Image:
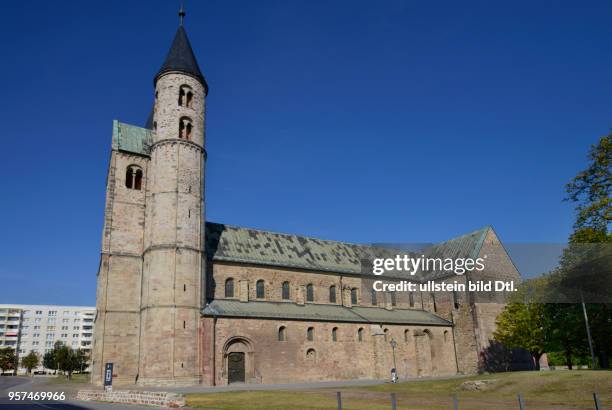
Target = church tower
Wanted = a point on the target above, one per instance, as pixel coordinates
(152, 264)
(173, 258)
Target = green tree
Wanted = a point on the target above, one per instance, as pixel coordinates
(521, 326)
(586, 263)
(8, 359)
(82, 360)
(590, 190)
(65, 359)
(30, 361)
(563, 324)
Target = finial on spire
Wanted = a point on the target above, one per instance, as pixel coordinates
(181, 14)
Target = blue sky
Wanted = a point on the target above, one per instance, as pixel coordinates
(360, 121)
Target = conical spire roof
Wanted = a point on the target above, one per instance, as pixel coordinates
(181, 58)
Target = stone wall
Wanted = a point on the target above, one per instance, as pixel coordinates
(158, 399)
(117, 323)
(298, 359)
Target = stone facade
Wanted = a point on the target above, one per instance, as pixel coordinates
(421, 351)
(163, 267)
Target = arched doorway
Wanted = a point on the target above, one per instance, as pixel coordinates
(235, 367)
(239, 361)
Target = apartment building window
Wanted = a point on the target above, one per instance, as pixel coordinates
(49, 344)
(51, 320)
(76, 328)
(75, 343)
(64, 335)
(36, 335)
(37, 320)
(77, 320)
(36, 327)
(50, 328)
(50, 336)
(66, 312)
(75, 335)
(64, 327)
(52, 313)
(65, 320)
(39, 312)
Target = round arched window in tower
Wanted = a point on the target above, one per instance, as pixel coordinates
(185, 128)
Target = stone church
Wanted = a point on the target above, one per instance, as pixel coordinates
(182, 300)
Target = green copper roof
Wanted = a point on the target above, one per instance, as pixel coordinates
(320, 312)
(130, 138)
(230, 243)
(466, 246)
(235, 244)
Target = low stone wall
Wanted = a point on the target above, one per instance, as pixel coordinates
(148, 398)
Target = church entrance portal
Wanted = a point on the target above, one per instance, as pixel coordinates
(235, 367)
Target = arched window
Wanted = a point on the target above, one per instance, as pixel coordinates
(185, 96)
(260, 289)
(310, 334)
(360, 334)
(393, 300)
(133, 177)
(185, 128)
(311, 356)
(286, 293)
(445, 336)
(411, 299)
(406, 335)
(374, 298)
(129, 177)
(455, 299)
(433, 300)
(309, 293)
(229, 288)
(332, 294)
(354, 296)
(189, 99)
(386, 332)
(181, 99)
(335, 334)
(138, 179)
(282, 334)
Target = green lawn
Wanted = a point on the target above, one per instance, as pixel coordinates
(76, 378)
(540, 390)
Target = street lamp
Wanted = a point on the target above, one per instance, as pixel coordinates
(393, 344)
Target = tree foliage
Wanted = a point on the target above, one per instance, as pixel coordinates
(64, 358)
(546, 315)
(590, 190)
(521, 326)
(7, 359)
(30, 361)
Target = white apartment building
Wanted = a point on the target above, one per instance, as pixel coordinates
(37, 327)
